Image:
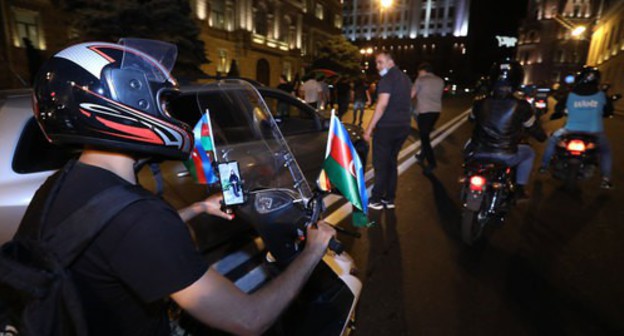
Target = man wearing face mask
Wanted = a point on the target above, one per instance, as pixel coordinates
(391, 125)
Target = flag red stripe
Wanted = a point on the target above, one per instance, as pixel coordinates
(341, 153)
(199, 169)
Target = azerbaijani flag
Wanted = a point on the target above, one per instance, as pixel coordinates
(343, 169)
(202, 157)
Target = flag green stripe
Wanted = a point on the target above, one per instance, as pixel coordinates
(343, 181)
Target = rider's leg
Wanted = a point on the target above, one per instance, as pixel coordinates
(524, 160)
(606, 158)
(550, 147)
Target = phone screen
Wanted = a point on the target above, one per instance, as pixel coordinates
(231, 183)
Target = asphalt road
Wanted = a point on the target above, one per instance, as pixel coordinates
(554, 267)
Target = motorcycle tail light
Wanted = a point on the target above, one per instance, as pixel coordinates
(477, 183)
(576, 147)
(590, 145)
(540, 104)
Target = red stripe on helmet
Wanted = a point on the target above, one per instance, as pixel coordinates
(137, 133)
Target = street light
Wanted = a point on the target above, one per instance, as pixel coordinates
(578, 31)
(385, 4)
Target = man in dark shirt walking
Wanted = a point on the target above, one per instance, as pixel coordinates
(391, 124)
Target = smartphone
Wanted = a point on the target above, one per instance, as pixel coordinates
(231, 183)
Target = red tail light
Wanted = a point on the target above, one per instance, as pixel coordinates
(576, 147)
(477, 183)
(540, 104)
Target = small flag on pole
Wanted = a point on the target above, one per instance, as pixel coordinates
(343, 170)
(203, 155)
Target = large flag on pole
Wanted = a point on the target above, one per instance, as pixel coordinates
(343, 169)
(200, 163)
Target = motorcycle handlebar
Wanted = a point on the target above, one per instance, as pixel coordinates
(317, 208)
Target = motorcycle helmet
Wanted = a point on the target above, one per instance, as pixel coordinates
(588, 75)
(112, 97)
(505, 77)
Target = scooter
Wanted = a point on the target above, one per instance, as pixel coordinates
(278, 205)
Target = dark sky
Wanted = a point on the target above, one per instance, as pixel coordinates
(489, 18)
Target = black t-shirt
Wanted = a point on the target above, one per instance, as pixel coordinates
(288, 87)
(399, 86)
(359, 93)
(143, 255)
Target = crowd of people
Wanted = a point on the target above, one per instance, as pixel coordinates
(500, 115)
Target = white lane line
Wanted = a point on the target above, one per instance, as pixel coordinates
(329, 200)
(342, 212)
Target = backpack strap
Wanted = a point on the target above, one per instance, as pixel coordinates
(72, 236)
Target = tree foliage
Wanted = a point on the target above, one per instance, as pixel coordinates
(340, 55)
(166, 20)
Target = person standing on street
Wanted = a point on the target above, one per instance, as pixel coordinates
(311, 91)
(361, 98)
(391, 124)
(343, 95)
(427, 90)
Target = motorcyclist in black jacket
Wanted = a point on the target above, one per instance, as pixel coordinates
(501, 121)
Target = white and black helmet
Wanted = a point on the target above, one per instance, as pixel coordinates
(112, 96)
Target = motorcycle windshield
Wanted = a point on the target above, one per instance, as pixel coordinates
(244, 130)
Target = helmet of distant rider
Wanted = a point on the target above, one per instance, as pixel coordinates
(588, 75)
(506, 76)
(113, 96)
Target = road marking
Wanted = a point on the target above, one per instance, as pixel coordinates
(447, 129)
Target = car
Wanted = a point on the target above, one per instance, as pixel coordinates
(30, 158)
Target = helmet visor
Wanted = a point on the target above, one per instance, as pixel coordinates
(158, 63)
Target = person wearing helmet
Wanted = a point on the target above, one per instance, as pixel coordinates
(501, 119)
(585, 106)
(112, 100)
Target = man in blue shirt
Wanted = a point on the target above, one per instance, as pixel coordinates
(586, 106)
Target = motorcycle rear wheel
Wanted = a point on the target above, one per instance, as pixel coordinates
(471, 227)
(571, 176)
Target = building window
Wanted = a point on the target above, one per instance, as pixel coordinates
(261, 25)
(222, 61)
(287, 70)
(533, 37)
(200, 9)
(27, 26)
(338, 21)
(560, 56)
(217, 14)
(319, 11)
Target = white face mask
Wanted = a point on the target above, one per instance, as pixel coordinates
(383, 72)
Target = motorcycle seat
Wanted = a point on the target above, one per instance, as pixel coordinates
(486, 163)
(586, 137)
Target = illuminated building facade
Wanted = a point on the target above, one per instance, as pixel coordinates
(414, 31)
(266, 38)
(606, 50)
(551, 40)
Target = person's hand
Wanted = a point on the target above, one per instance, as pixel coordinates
(318, 238)
(212, 206)
(367, 135)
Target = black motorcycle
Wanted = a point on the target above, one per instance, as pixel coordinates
(576, 154)
(487, 195)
